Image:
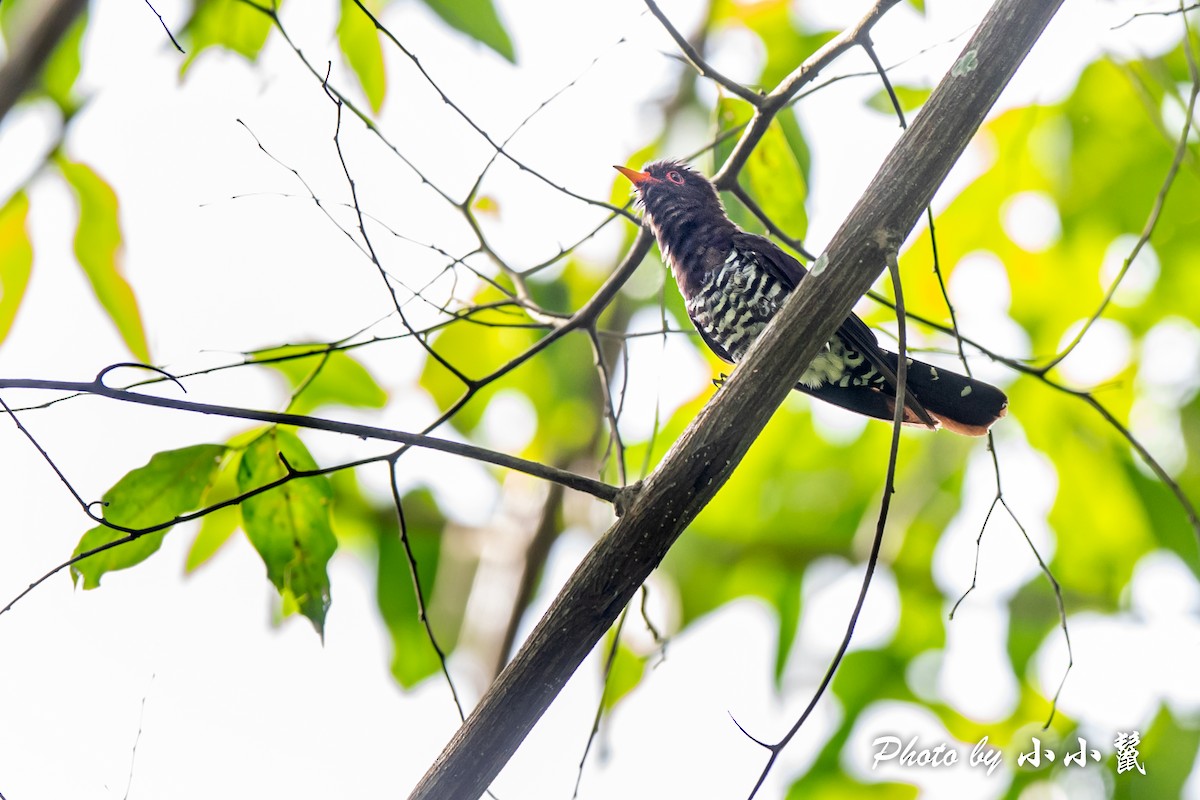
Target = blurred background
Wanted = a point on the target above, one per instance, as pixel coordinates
(216, 213)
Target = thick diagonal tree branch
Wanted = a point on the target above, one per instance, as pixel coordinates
(708, 451)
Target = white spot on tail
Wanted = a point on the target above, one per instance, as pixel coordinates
(966, 391)
(934, 373)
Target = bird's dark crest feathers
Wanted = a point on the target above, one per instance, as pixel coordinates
(698, 241)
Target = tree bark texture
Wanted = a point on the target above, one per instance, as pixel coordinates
(655, 513)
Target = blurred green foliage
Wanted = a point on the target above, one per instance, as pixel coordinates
(1096, 161)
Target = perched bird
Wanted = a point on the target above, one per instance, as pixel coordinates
(733, 282)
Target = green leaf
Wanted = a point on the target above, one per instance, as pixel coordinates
(836, 785)
(358, 39)
(559, 383)
(62, 68)
(910, 97)
(413, 656)
(98, 249)
(774, 174)
(289, 525)
(626, 673)
(325, 377)
(231, 24)
(16, 258)
(170, 484)
(477, 19)
(787, 605)
(218, 527)
(1167, 752)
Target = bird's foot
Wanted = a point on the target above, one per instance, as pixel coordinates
(719, 381)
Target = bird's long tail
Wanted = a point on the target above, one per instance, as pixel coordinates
(960, 404)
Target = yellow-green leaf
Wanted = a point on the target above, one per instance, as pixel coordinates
(477, 19)
(231, 24)
(326, 377)
(774, 174)
(219, 526)
(413, 656)
(910, 97)
(359, 41)
(16, 258)
(626, 673)
(289, 525)
(98, 250)
(62, 68)
(170, 484)
(486, 204)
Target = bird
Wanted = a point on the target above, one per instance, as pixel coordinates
(733, 282)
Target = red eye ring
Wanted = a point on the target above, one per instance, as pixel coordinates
(674, 177)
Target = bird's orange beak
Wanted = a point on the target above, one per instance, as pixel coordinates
(636, 177)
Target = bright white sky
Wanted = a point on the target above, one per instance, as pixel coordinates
(227, 253)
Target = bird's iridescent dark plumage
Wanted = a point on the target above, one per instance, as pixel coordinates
(733, 282)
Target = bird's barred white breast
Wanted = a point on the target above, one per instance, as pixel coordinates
(737, 301)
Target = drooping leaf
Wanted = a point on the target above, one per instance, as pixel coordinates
(477, 19)
(325, 378)
(558, 383)
(358, 40)
(62, 68)
(216, 529)
(289, 525)
(626, 673)
(787, 606)
(1167, 751)
(911, 98)
(219, 526)
(98, 250)
(16, 258)
(413, 656)
(231, 24)
(774, 175)
(170, 484)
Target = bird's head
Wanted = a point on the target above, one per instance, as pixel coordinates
(671, 186)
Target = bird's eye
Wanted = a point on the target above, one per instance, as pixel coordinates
(675, 177)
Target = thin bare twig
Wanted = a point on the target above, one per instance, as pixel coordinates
(487, 137)
(779, 97)
(1180, 10)
(779, 233)
(999, 498)
(699, 64)
(889, 489)
(1160, 200)
(590, 486)
(418, 592)
(162, 22)
(608, 665)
